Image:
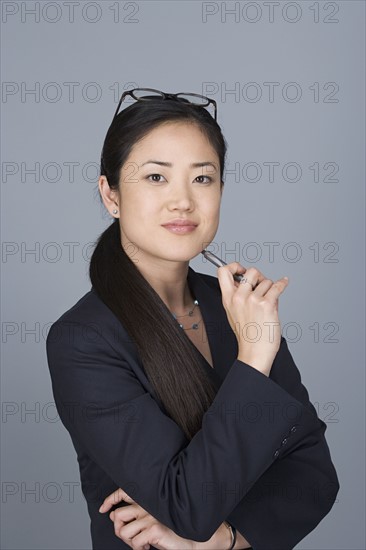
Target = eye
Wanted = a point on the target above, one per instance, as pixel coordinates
(155, 176)
(208, 179)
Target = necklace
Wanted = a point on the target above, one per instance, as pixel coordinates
(190, 313)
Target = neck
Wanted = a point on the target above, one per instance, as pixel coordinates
(169, 280)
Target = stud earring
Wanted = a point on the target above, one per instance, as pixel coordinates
(115, 211)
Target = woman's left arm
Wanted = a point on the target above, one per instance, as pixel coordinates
(299, 489)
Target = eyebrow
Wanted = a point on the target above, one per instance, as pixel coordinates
(193, 165)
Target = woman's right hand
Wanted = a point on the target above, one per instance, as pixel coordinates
(253, 314)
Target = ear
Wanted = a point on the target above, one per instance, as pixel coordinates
(109, 196)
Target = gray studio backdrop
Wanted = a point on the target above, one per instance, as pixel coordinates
(289, 81)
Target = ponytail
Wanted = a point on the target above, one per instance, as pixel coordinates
(171, 362)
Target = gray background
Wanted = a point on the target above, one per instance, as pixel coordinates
(51, 217)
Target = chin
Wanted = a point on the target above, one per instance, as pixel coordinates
(180, 254)
(181, 257)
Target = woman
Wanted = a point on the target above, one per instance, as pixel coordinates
(191, 431)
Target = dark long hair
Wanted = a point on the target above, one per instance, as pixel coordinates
(171, 362)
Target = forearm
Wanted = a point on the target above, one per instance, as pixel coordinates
(221, 540)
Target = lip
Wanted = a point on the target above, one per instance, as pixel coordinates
(180, 223)
(180, 227)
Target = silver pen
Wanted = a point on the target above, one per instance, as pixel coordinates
(218, 262)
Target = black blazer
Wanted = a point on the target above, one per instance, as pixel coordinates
(260, 460)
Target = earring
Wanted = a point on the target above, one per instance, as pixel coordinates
(115, 211)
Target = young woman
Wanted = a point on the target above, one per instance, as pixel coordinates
(190, 429)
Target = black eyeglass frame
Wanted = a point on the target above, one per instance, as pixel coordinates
(165, 95)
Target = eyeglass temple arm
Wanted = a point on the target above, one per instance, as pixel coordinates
(128, 92)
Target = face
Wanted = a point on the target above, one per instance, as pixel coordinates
(173, 173)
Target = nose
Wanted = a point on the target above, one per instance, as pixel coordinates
(181, 197)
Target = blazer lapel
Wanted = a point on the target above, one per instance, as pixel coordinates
(221, 338)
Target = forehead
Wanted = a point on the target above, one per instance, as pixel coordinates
(171, 137)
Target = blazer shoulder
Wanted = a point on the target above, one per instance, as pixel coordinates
(87, 308)
(92, 315)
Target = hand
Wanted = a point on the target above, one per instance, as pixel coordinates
(253, 314)
(137, 528)
(145, 530)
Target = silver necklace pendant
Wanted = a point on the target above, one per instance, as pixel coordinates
(190, 313)
(192, 310)
(194, 326)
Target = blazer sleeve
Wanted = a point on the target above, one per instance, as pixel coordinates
(298, 490)
(105, 407)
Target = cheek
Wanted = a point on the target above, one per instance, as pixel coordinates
(211, 209)
(136, 204)
(138, 213)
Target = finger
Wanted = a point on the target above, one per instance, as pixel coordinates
(141, 541)
(235, 268)
(114, 498)
(127, 513)
(246, 286)
(276, 289)
(110, 500)
(263, 287)
(150, 533)
(251, 281)
(131, 530)
(254, 276)
(225, 275)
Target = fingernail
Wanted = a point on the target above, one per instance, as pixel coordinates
(286, 278)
